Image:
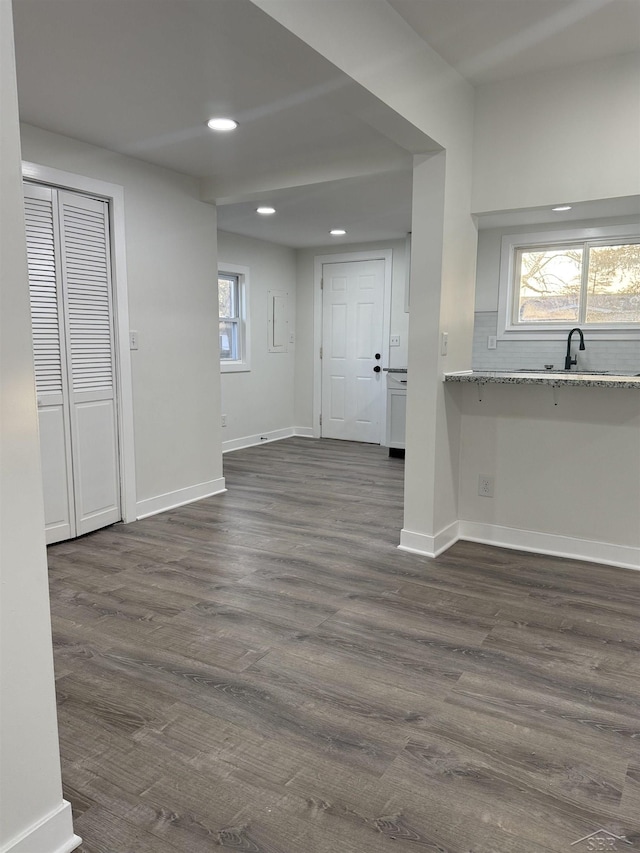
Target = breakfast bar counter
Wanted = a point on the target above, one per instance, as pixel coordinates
(552, 378)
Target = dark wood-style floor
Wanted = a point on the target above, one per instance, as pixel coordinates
(264, 671)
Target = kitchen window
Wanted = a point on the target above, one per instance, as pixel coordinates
(589, 279)
(233, 298)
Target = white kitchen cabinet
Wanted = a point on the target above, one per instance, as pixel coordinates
(396, 411)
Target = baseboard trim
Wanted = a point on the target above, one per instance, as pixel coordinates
(265, 438)
(429, 546)
(591, 551)
(303, 432)
(53, 834)
(555, 545)
(171, 500)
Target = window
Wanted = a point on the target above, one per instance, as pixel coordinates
(233, 320)
(229, 311)
(583, 283)
(591, 280)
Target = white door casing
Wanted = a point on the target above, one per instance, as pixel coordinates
(49, 177)
(353, 387)
(72, 316)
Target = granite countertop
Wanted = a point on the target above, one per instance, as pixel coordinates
(546, 377)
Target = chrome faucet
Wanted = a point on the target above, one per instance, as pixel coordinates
(568, 360)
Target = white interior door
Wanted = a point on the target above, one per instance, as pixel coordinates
(72, 317)
(49, 350)
(352, 338)
(86, 275)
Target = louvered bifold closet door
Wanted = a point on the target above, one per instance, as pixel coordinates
(86, 273)
(49, 357)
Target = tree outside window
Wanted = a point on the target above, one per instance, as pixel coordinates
(584, 283)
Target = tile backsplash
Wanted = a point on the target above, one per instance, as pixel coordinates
(612, 356)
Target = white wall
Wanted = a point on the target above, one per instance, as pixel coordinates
(305, 355)
(563, 135)
(567, 476)
(172, 264)
(33, 814)
(261, 401)
(442, 274)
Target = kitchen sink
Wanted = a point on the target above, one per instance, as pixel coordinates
(565, 372)
(578, 372)
(543, 371)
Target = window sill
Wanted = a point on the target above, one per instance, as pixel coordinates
(234, 367)
(593, 333)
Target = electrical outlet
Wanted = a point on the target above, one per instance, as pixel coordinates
(485, 486)
(492, 342)
(224, 420)
(444, 343)
(394, 341)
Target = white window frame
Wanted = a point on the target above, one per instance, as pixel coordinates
(508, 330)
(243, 363)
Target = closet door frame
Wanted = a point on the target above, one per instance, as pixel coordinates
(114, 195)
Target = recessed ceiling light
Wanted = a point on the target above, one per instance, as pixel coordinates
(222, 124)
(265, 211)
(337, 232)
(561, 208)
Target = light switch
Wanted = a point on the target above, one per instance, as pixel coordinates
(133, 340)
(444, 343)
(492, 342)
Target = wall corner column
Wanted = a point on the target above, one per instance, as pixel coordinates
(34, 815)
(442, 286)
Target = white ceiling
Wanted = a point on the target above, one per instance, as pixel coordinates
(369, 209)
(489, 40)
(141, 77)
(602, 208)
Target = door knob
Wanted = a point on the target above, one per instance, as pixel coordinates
(377, 368)
(377, 355)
